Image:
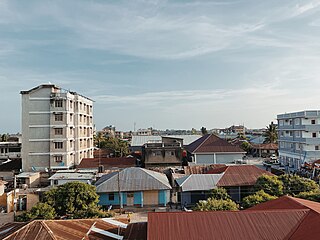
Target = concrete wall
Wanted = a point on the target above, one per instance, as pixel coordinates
(219, 158)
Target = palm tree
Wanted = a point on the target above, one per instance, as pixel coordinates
(271, 134)
(204, 131)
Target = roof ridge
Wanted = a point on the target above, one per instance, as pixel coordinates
(189, 176)
(209, 135)
(159, 180)
(292, 232)
(48, 229)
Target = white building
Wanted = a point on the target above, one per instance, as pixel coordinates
(57, 128)
(299, 138)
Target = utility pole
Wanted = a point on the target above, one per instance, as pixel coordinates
(14, 197)
(120, 197)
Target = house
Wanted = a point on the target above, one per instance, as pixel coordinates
(134, 187)
(57, 128)
(195, 187)
(300, 222)
(298, 138)
(29, 179)
(238, 179)
(10, 150)
(104, 163)
(210, 149)
(264, 149)
(98, 229)
(65, 176)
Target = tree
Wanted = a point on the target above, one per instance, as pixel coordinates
(269, 184)
(73, 198)
(38, 211)
(294, 184)
(258, 197)
(203, 131)
(246, 146)
(220, 193)
(271, 134)
(312, 196)
(4, 137)
(119, 147)
(212, 204)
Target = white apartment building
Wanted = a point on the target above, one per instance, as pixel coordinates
(299, 138)
(57, 128)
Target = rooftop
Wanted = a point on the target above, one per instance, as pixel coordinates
(121, 162)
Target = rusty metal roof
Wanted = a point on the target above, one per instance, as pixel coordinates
(67, 229)
(239, 175)
(121, 162)
(248, 225)
(211, 143)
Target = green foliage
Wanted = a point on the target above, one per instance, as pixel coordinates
(270, 184)
(212, 204)
(271, 133)
(119, 147)
(258, 197)
(312, 196)
(72, 198)
(245, 146)
(4, 137)
(38, 211)
(220, 193)
(294, 184)
(203, 131)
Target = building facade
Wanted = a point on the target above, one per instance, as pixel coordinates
(299, 138)
(57, 128)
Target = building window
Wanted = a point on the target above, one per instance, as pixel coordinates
(170, 153)
(314, 135)
(71, 117)
(58, 117)
(297, 121)
(316, 147)
(70, 143)
(58, 145)
(111, 196)
(313, 121)
(58, 131)
(55, 182)
(58, 103)
(58, 158)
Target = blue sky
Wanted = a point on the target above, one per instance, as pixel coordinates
(165, 64)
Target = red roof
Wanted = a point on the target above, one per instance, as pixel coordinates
(210, 143)
(287, 202)
(249, 225)
(238, 175)
(123, 162)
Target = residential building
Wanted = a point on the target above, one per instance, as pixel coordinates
(280, 222)
(10, 150)
(57, 128)
(210, 149)
(133, 187)
(298, 138)
(65, 176)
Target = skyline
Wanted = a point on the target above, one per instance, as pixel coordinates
(164, 64)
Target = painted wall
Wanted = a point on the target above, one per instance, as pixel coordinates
(220, 158)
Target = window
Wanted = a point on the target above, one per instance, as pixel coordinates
(71, 104)
(71, 117)
(170, 153)
(316, 147)
(58, 117)
(297, 121)
(58, 103)
(58, 158)
(55, 182)
(111, 196)
(313, 121)
(314, 135)
(58, 131)
(58, 145)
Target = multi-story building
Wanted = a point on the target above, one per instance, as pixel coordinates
(57, 128)
(299, 138)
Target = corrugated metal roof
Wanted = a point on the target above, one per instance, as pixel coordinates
(72, 176)
(133, 179)
(248, 225)
(240, 175)
(138, 141)
(198, 182)
(211, 143)
(287, 202)
(65, 229)
(107, 162)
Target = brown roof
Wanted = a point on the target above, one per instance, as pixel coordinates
(287, 202)
(265, 146)
(108, 162)
(238, 175)
(63, 229)
(210, 143)
(249, 225)
(199, 169)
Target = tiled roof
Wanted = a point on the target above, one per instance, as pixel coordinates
(68, 229)
(121, 162)
(133, 179)
(211, 143)
(249, 225)
(238, 175)
(198, 182)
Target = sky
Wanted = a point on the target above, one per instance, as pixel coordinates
(164, 64)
